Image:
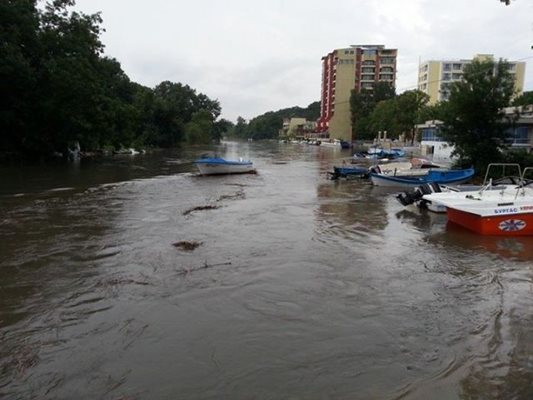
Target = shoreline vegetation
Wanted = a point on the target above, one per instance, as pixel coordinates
(60, 94)
(62, 97)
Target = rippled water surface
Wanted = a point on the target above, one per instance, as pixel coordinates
(301, 287)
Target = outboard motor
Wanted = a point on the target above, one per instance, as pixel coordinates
(408, 198)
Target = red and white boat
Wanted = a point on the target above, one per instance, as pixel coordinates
(505, 210)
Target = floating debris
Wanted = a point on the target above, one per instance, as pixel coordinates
(21, 361)
(121, 281)
(187, 245)
(185, 271)
(200, 208)
(238, 195)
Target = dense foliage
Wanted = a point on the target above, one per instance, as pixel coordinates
(268, 125)
(58, 89)
(363, 103)
(473, 117)
(524, 99)
(382, 110)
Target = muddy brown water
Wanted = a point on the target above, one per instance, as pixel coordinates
(297, 287)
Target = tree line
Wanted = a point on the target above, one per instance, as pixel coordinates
(59, 90)
(268, 125)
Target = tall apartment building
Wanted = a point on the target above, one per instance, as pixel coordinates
(343, 70)
(436, 77)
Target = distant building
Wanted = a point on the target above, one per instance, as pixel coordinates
(431, 143)
(343, 70)
(520, 135)
(436, 77)
(297, 127)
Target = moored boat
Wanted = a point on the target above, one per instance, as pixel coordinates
(337, 143)
(219, 166)
(349, 171)
(505, 210)
(447, 177)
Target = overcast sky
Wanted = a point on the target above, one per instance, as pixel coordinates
(256, 56)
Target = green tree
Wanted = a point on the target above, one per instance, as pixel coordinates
(383, 91)
(409, 105)
(199, 129)
(69, 87)
(58, 89)
(524, 99)
(19, 49)
(221, 127)
(383, 118)
(435, 111)
(241, 128)
(265, 126)
(474, 120)
(175, 106)
(363, 103)
(397, 115)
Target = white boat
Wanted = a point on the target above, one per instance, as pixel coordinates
(505, 210)
(415, 196)
(219, 166)
(440, 176)
(400, 168)
(337, 143)
(413, 167)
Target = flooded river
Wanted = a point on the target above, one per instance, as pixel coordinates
(300, 288)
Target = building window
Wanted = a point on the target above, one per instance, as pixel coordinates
(457, 67)
(369, 52)
(369, 62)
(518, 135)
(457, 76)
(369, 69)
(387, 60)
(431, 135)
(447, 67)
(446, 77)
(367, 77)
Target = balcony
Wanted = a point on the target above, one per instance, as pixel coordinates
(370, 78)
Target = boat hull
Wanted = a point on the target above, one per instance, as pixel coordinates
(223, 167)
(496, 225)
(454, 177)
(350, 171)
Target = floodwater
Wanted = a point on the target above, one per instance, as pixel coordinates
(300, 288)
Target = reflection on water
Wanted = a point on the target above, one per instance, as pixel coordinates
(301, 287)
(440, 232)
